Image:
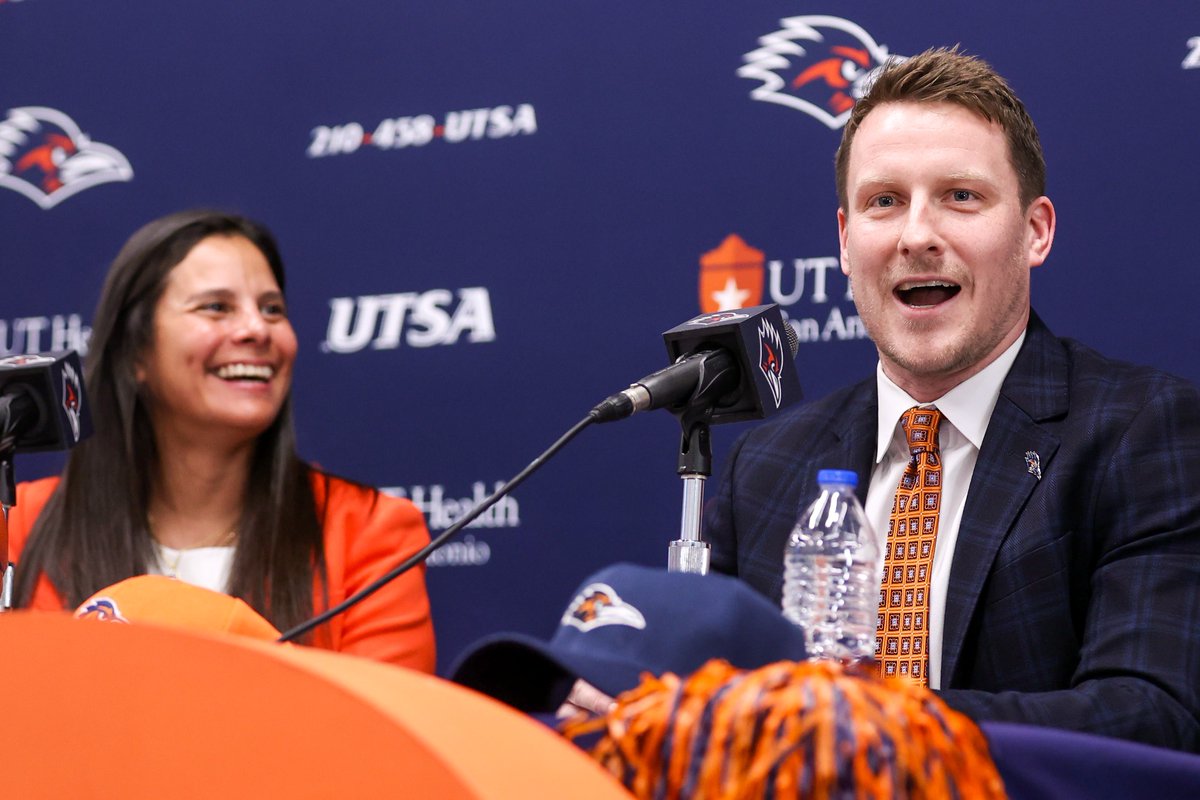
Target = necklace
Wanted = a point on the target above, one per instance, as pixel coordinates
(171, 567)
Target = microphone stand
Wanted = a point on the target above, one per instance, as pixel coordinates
(8, 494)
(689, 553)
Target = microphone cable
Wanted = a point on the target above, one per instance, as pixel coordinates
(423, 553)
(699, 378)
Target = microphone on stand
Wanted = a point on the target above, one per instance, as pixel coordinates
(41, 403)
(731, 362)
(41, 408)
(728, 366)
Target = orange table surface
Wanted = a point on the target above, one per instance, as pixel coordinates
(95, 709)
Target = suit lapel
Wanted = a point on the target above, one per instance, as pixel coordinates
(856, 438)
(1035, 391)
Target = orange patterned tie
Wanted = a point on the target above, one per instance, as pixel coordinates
(902, 632)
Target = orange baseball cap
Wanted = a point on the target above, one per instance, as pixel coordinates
(158, 600)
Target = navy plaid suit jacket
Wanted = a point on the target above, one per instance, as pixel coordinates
(1074, 600)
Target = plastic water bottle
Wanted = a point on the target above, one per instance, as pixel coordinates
(832, 568)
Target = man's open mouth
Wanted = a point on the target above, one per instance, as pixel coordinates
(926, 294)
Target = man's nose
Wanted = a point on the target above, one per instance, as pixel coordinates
(920, 235)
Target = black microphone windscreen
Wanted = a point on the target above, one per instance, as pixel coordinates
(58, 417)
(756, 337)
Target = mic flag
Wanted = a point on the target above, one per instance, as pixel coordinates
(41, 402)
(763, 346)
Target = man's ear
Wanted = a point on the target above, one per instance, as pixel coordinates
(845, 259)
(1040, 219)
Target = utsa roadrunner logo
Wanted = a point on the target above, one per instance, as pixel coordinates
(770, 362)
(1033, 464)
(72, 395)
(101, 608)
(816, 64)
(46, 157)
(599, 604)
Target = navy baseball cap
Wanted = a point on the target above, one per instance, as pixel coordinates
(625, 620)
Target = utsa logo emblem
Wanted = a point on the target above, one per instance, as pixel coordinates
(598, 604)
(715, 319)
(824, 76)
(103, 609)
(46, 157)
(770, 360)
(25, 360)
(1033, 463)
(72, 394)
(731, 276)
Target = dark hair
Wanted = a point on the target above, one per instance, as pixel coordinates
(93, 531)
(942, 75)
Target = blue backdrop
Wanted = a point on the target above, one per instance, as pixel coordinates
(490, 212)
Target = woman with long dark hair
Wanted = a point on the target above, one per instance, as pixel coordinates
(192, 470)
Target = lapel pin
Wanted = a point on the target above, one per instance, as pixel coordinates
(1033, 463)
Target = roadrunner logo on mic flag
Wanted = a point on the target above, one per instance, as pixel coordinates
(770, 359)
(731, 276)
(72, 394)
(46, 157)
(822, 77)
(598, 604)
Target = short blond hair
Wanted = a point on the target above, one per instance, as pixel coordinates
(945, 75)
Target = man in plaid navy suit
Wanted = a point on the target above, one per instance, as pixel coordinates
(1066, 573)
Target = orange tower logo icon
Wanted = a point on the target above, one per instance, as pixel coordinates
(731, 276)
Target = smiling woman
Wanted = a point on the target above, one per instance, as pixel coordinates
(192, 471)
(223, 354)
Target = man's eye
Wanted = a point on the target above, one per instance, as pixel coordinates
(885, 201)
(963, 195)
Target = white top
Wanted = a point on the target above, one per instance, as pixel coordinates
(207, 567)
(966, 410)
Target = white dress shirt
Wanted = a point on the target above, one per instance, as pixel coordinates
(966, 410)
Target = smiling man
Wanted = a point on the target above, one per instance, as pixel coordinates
(1046, 567)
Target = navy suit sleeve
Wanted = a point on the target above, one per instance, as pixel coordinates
(1136, 598)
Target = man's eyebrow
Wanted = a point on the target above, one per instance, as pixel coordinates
(872, 183)
(969, 175)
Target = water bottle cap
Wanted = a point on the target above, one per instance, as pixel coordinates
(846, 476)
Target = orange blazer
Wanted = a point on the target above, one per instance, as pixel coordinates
(366, 534)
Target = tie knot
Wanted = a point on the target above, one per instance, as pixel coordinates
(921, 428)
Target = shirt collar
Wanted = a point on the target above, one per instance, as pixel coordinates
(967, 406)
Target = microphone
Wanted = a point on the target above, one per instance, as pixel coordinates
(41, 408)
(41, 403)
(731, 357)
(732, 361)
